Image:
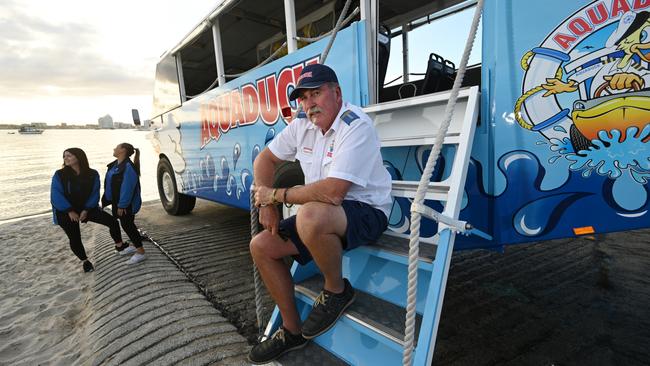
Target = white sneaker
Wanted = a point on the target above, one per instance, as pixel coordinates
(128, 250)
(136, 258)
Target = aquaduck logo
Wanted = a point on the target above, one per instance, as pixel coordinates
(245, 105)
(586, 89)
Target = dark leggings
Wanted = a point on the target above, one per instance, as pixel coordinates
(73, 232)
(128, 225)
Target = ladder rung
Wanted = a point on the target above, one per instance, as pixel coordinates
(436, 191)
(419, 140)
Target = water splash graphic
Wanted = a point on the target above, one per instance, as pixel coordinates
(270, 135)
(208, 169)
(236, 153)
(610, 156)
(537, 217)
(255, 152)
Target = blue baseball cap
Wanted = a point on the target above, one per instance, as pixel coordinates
(312, 77)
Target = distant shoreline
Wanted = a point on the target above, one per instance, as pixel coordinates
(68, 127)
(48, 213)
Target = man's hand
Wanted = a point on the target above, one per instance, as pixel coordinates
(84, 216)
(263, 196)
(74, 217)
(121, 212)
(269, 218)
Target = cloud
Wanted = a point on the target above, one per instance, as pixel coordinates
(39, 57)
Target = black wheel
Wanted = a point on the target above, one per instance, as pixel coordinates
(288, 174)
(578, 140)
(175, 203)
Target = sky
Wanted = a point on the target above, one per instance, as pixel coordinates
(74, 61)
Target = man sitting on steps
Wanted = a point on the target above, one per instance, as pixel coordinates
(345, 203)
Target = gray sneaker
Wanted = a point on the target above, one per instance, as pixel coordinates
(136, 258)
(327, 309)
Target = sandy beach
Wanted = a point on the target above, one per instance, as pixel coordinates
(55, 314)
(44, 294)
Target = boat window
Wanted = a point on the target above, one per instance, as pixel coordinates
(243, 27)
(435, 43)
(166, 94)
(199, 64)
(253, 30)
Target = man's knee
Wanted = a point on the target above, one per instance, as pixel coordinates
(262, 246)
(316, 218)
(257, 245)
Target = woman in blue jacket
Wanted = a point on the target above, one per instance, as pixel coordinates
(122, 192)
(75, 198)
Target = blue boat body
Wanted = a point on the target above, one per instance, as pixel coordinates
(527, 180)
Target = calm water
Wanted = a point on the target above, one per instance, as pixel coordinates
(29, 161)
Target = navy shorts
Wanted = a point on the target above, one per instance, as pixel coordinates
(365, 226)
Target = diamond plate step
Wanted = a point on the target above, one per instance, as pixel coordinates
(312, 355)
(379, 315)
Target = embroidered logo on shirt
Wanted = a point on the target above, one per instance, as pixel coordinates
(306, 150)
(349, 117)
(330, 150)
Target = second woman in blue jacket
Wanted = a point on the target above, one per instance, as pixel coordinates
(122, 192)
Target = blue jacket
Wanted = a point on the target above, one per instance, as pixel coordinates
(70, 192)
(122, 186)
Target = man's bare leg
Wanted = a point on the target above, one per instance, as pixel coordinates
(321, 227)
(267, 251)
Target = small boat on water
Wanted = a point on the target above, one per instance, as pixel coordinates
(28, 130)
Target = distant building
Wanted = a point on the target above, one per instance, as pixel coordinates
(105, 122)
(122, 125)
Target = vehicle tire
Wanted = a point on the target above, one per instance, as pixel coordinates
(173, 202)
(288, 174)
(578, 140)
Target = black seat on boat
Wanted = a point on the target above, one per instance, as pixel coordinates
(439, 75)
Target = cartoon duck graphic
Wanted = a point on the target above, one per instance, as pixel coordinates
(613, 82)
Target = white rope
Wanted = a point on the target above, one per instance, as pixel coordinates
(254, 210)
(414, 247)
(337, 27)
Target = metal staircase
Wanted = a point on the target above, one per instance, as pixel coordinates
(371, 332)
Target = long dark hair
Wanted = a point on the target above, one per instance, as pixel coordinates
(129, 151)
(84, 167)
